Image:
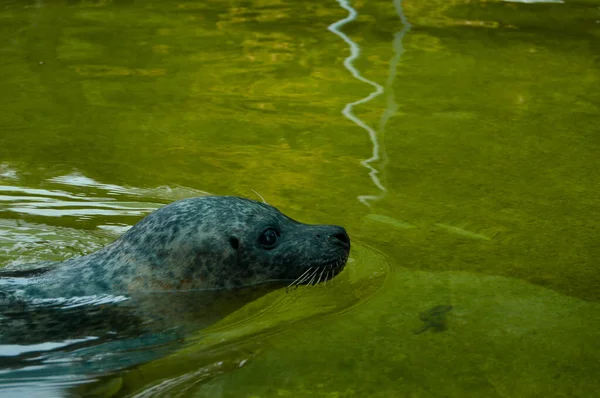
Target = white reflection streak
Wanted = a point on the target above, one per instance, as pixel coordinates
(347, 111)
(392, 106)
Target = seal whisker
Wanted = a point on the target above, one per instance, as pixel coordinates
(314, 274)
(313, 280)
(320, 276)
(260, 196)
(307, 278)
(299, 279)
(303, 279)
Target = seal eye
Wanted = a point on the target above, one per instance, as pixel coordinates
(268, 239)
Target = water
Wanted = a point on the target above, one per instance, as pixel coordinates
(456, 141)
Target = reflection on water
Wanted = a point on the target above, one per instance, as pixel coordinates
(390, 90)
(76, 339)
(378, 152)
(348, 109)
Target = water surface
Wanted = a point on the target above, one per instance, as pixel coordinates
(457, 141)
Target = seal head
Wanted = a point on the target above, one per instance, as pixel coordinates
(204, 243)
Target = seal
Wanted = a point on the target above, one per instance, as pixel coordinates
(203, 243)
(198, 249)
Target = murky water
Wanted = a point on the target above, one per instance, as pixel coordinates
(456, 141)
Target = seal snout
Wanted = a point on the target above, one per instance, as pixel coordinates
(339, 237)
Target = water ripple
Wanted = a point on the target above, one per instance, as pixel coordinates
(70, 214)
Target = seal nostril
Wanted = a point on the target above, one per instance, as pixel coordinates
(235, 242)
(341, 239)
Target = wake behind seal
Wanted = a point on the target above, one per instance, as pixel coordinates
(209, 244)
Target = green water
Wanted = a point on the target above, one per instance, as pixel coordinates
(465, 169)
